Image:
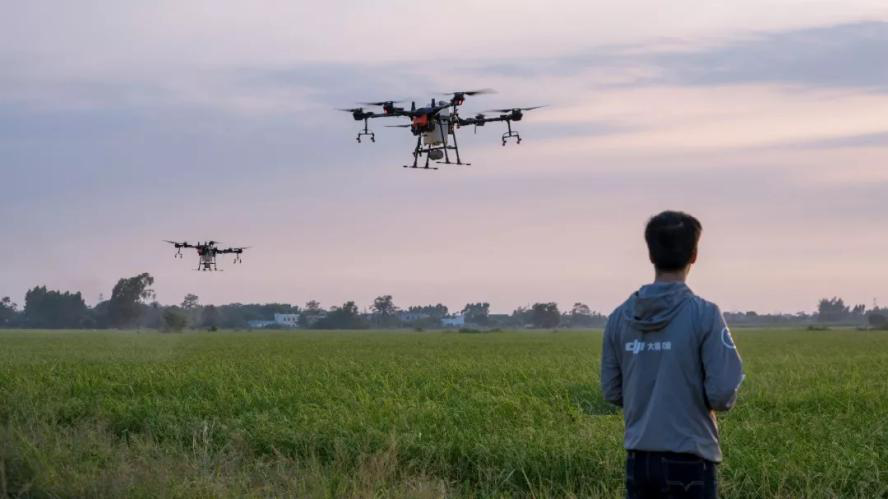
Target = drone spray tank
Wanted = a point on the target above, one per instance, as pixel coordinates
(437, 133)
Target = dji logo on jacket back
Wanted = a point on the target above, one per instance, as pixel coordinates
(637, 347)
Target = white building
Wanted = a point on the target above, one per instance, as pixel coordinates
(458, 320)
(287, 320)
(259, 324)
(408, 316)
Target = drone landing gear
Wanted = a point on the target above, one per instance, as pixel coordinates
(436, 153)
(366, 133)
(419, 151)
(510, 134)
(207, 267)
(455, 148)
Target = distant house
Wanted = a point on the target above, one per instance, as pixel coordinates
(287, 320)
(259, 324)
(407, 316)
(458, 320)
(280, 321)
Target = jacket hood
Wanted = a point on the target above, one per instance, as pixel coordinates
(653, 307)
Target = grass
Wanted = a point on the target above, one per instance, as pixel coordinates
(409, 414)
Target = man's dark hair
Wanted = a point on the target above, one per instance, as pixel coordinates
(672, 239)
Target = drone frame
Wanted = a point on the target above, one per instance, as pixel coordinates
(452, 121)
(207, 253)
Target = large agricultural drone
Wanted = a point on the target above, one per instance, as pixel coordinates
(206, 253)
(435, 125)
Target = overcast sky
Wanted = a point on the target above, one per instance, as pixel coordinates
(126, 123)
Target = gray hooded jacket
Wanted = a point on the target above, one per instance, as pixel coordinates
(669, 360)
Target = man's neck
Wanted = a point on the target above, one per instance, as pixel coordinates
(672, 276)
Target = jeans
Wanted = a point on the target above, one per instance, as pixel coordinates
(669, 475)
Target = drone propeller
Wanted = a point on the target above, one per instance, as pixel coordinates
(470, 93)
(381, 103)
(398, 126)
(513, 109)
(352, 110)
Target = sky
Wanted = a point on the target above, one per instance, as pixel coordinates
(126, 123)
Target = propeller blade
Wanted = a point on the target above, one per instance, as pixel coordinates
(482, 91)
(509, 110)
(398, 126)
(381, 103)
(353, 110)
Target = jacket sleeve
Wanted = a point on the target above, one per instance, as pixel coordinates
(722, 367)
(611, 374)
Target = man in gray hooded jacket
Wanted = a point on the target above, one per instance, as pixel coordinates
(668, 359)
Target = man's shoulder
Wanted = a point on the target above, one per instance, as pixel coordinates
(705, 309)
(619, 311)
(703, 302)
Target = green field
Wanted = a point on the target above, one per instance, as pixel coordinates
(414, 414)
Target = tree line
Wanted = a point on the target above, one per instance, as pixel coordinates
(133, 304)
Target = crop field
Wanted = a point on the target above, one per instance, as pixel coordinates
(409, 414)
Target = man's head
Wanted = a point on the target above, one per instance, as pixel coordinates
(672, 238)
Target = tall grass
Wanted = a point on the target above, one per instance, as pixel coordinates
(410, 414)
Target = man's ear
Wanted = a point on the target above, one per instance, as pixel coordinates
(693, 256)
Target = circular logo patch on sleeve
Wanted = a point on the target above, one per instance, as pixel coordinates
(727, 340)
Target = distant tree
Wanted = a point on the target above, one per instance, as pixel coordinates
(832, 310)
(580, 315)
(384, 311)
(877, 320)
(8, 312)
(174, 319)
(192, 309)
(210, 317)
(545, 315)
(520, 317)
(54, 309)
(191, 301)
(477, 313)
(858, 310)
(311, 313)
(384, 306)
(128, 299)
(152, 316)
(434, 311)
(345, 317)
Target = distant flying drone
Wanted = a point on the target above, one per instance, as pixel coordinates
(435, 125)
(206, 253)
